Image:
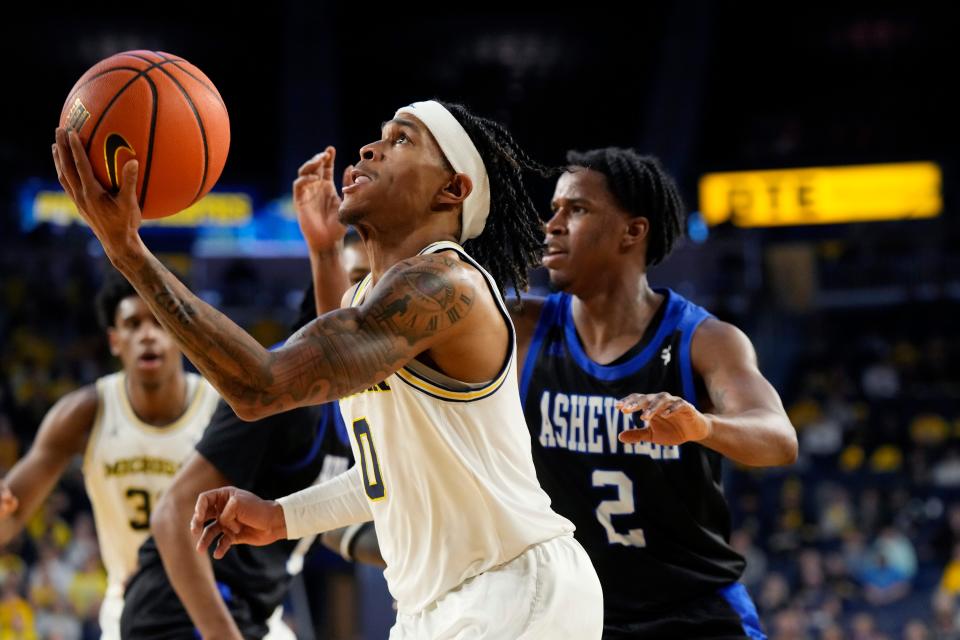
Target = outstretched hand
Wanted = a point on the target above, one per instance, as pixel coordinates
(317, 202)
(232, 516)
(668, 420)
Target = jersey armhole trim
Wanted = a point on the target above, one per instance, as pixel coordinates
(435, 390)
(546, 320)
(688, 327)
(96, 429)
(360, 289)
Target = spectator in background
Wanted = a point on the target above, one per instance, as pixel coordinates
(839, 577)
(946, 625)
(916, 630)
(50, 577)
(883, 584)
(832, 632)
(789, 624)
(812, 591)
(864, 627)
(950, 582)
(742, 542)
(87, 589)
(774, 595)
(16, 615)
(827, 615)
(791, 520)
(59, 621)
(871, 511)
(948, 536)
(946, 473)
(836, 512)
(83, 544)
(898, 551)
(880, 381)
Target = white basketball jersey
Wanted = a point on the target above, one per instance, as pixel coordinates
(448, 471)
(129, 463)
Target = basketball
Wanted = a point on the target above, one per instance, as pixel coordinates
(163, 111)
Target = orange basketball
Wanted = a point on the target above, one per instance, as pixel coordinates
(163, 111)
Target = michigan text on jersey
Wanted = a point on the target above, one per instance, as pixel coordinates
(141, 464)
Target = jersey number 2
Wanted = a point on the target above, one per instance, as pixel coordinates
(623, 505)
(369, 463)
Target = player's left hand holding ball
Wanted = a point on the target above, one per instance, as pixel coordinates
(668, 420)
(114, 219)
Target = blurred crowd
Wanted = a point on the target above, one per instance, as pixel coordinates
(861, 539)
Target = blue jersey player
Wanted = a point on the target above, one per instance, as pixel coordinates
(633, 396)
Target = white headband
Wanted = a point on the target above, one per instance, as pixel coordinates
(463, 156)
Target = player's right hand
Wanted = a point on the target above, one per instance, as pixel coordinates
(8, 501)
(317, 202)
(232, 516)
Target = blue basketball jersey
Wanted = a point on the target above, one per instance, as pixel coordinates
(653, 518)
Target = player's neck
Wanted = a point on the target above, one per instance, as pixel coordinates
(158, 403)
(615, 312)
(385, 250)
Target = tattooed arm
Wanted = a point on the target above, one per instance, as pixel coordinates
(418, 304)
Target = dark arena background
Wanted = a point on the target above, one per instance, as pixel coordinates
(815, 148)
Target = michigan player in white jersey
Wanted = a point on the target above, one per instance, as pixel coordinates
(134, 429)
(426, 363)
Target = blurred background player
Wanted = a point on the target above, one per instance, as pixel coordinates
(633, 396)
(240, 595)
(134, 428)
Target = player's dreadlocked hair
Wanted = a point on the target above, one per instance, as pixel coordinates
(643, 188)
(512, 239)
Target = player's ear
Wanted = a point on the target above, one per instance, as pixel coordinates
(635, 232)
(114, 341)
(456, 190)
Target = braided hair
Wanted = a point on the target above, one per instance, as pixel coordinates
(512, 239)
(641, 186)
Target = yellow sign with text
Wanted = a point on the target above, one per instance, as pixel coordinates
(822, 195)
(214, 210)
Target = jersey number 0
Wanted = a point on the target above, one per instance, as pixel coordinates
(369, 463)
